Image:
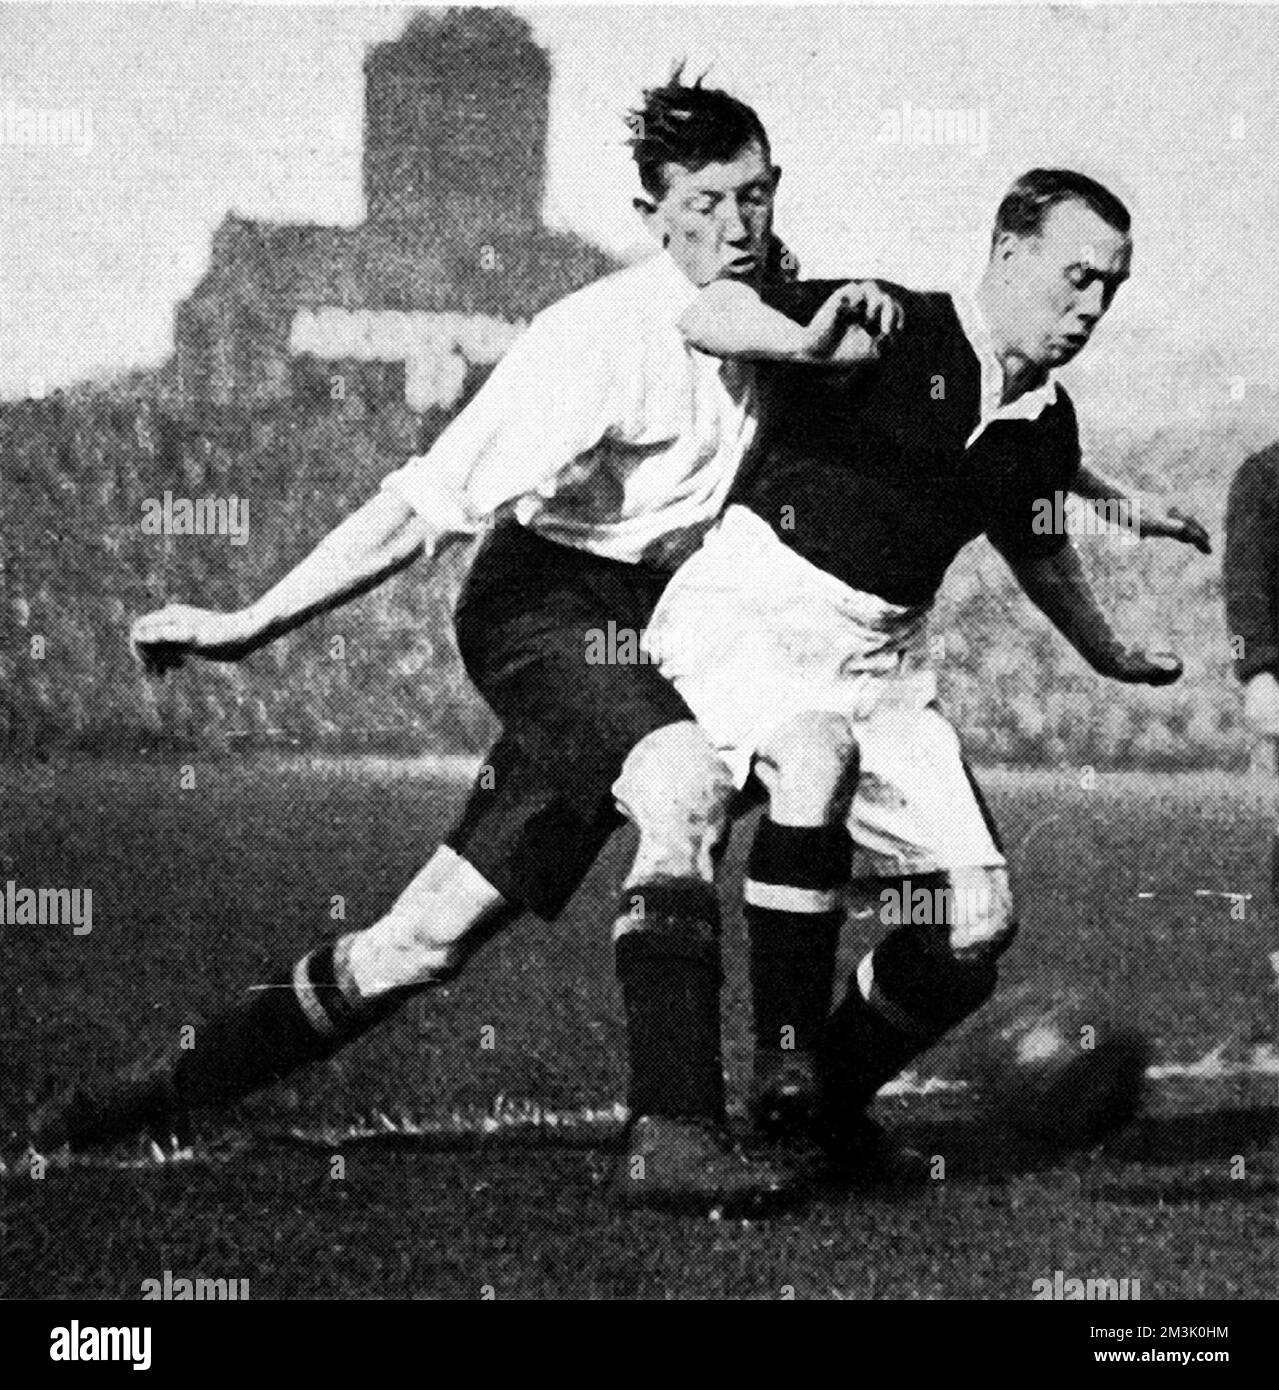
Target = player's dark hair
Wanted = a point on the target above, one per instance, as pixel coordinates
(1035, 194)
(689, 124)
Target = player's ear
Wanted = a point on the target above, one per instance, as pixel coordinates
(1004, 248)
(651, 216)
(777, 176)
(645, 206)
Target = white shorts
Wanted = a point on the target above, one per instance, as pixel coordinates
(751, 634)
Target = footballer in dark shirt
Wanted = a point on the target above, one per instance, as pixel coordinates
(796, 634)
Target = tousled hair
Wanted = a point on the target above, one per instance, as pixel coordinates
(690, 124)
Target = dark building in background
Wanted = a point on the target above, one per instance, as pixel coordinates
(455, 125)
(453, 253)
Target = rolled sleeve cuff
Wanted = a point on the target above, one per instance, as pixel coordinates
(436, 504)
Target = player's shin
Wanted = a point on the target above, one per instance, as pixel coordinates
(302, 1015)
(676, 791)
(679, 1153)
(668, 963)
(794, 910)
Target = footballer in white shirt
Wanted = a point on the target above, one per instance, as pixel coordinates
(603, 445)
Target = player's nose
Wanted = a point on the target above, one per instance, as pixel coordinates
(735, 230)
(1091, 304)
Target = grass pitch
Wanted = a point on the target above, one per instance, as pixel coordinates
(1147, 892)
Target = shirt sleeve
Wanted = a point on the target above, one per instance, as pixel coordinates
(1251, 562)
(550, 399)
(1025, 478)
(798, 299)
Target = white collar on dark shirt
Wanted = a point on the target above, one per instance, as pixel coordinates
(1030, 405)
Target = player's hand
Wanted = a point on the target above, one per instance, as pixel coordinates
(847, 325)
(163, 639)
(1136, 667)
(1178, 526)
(855, 345)
(1261, 705)
(873, 309)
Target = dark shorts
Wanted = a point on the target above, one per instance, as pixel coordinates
(542, 807)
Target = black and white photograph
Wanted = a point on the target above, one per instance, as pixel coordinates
(639, 660)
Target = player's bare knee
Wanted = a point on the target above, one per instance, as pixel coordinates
(809, 767)
(982, 916)
(676, 790)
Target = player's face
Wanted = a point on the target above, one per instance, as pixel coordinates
(1060, 283)
(715, 220)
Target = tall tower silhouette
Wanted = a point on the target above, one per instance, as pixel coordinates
(455, 125)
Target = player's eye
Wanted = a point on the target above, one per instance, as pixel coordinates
(703, 204)
(1079, 277)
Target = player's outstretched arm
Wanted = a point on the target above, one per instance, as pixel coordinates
(729, 319)
(1057, 585)
(1140, 511)
(382, 537)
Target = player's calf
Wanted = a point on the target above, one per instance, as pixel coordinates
(798, 867)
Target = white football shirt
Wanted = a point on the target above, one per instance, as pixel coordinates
(600, 428)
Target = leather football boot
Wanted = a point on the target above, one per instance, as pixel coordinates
(783, 1095)
(859, 1152)
(694, 1166)
(138, 1098)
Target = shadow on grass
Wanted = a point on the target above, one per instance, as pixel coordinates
(976, 1149)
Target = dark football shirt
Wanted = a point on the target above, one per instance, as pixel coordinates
(869, 476)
